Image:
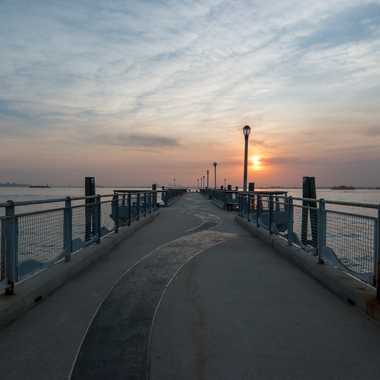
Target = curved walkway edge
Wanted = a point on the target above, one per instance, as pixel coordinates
(346, 287)
(35, 289)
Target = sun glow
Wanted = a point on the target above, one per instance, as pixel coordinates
(256, 162)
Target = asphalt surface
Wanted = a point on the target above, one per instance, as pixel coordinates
(192, 296)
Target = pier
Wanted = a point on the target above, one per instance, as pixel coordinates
(189, 295)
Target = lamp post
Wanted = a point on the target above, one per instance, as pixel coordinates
(246, 132)
(215, 165)
(204, 182)
(208, 176)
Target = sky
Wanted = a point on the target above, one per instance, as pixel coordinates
(141, 91)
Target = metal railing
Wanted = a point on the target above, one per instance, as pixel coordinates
(224, 198)
(170, 194)
(33, 240)
(342, 234)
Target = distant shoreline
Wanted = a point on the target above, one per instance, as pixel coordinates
(338, 187)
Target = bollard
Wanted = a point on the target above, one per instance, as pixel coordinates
(68, 229)
(11, 239)
(154, 189)
(90, 191)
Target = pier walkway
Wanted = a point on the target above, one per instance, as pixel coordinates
(191, 296)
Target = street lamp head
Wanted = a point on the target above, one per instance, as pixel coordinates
(215, 163)
(246, 130)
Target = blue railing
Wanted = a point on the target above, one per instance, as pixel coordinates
(226, 199)
(52, 230)
(343, 234)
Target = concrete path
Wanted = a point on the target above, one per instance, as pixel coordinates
(197, 299)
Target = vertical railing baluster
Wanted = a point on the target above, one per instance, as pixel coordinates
(258, 210)
(11, 240)
(145, 204)
(2, 248)
(138, 206)
(377, 272)
(321, 220)
(98, 213)
(270, 213)
(248, 207)
(115, 211)
(129, 200)
(68, 229)
(290, 210)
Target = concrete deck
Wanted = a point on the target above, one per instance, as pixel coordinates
(191, 296)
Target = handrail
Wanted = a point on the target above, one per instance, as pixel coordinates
(49, 234)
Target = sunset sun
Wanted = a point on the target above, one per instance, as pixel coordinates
(256, 162)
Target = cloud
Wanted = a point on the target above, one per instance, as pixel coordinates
(373, 131)
(137, 140)
(195, 69)
(356, 23)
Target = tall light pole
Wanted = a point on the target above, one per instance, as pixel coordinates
(204, 182)
(197, 183)
(246, 132)
(208, 176)
(215, 165)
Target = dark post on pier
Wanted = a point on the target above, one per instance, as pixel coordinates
(90, 191)
(309, 193)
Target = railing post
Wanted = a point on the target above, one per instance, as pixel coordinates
(377, 273)
(138, 206)
(115, 210)
(270, 212)
(258, 209)
(68, 229)
(145, 204)
(98, 210)
(129, 200)
(321, 220)
(11, 238)
(290, 219)
(154, 196)
(248, 208)
(165, 197)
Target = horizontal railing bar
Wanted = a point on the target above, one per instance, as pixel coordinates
(50, 210)
(353, 204)
(306, 207)
(53, 200)
(352, 214)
